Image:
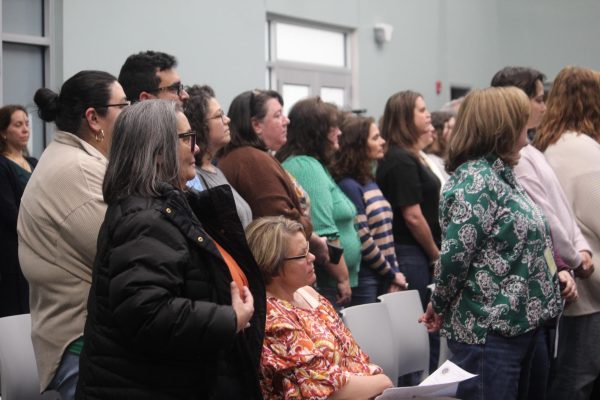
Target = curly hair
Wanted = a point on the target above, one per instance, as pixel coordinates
(196, 110)
(352, 159)
(310, 122)
(573, 105)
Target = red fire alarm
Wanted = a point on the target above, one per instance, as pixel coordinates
(438, 87)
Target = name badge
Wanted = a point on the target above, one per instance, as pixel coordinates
(550, 261)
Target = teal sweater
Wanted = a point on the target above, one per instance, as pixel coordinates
(331, 211)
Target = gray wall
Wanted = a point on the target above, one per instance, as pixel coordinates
(222, 43)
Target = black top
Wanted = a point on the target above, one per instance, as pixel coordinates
(160, 323)
(14, 292)
(404, 181)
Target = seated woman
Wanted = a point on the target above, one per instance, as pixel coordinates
(307, 351)
(176, 308)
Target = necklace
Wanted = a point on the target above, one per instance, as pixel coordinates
(20, 161)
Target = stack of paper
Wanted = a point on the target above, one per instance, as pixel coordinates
(443, 382)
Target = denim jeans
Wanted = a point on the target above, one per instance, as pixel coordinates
(497, 363)
(577, 365)
(67, 374)
(413, 263)
(533, 384)
(370, 285)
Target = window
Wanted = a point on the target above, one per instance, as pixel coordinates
(305, 60)
(25, 67)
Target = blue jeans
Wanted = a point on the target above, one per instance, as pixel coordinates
(370, 285)
(413, 263)
(533, 384)
(497, 363)
(577, 365)
(67, 374)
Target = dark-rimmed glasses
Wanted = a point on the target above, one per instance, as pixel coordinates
(305, 256)
(188, 137)
(177, 87)
(120, 105)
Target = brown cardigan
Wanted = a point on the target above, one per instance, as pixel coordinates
(263, 183)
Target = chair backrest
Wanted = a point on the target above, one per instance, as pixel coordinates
(370, 326)
(410, 336)
(18, 371)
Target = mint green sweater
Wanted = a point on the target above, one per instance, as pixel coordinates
(331, 211)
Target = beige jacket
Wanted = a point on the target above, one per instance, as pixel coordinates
(574, 159)
(61, 212)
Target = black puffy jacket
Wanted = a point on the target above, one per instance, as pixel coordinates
(160, 323)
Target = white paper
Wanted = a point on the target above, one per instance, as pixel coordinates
(448, 372)
(443, 382)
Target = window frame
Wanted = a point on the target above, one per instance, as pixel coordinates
(46, 42)
(315, 76)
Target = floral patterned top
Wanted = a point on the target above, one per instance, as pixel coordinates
(308, 354)
(492, 275)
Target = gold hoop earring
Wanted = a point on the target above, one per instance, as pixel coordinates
(99, 136)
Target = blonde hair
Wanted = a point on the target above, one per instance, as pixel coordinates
(573, 105)
(268, 241)
(489, 121)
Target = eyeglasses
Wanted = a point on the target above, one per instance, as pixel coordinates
(189, 137)
(177, 87)
(220, 114)
(120, 105)
(305, 256)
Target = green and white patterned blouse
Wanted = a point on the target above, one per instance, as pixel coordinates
(492, 276)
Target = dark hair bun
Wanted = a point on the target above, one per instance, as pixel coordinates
(47, 102)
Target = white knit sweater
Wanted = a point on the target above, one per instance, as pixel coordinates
(575, 159)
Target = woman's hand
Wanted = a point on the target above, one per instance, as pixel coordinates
(243, 305)
(569, 288)
(432, 320)
(344, 292)
(399, 283)
(362, 387)
(586, 268)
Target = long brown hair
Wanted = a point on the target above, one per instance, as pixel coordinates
(310, 122)
(489, 121)
(352, 160)
(573, 105)
(398, 122)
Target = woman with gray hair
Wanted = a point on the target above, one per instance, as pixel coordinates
(176, 309)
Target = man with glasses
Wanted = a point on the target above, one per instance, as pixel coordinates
(151, 75)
